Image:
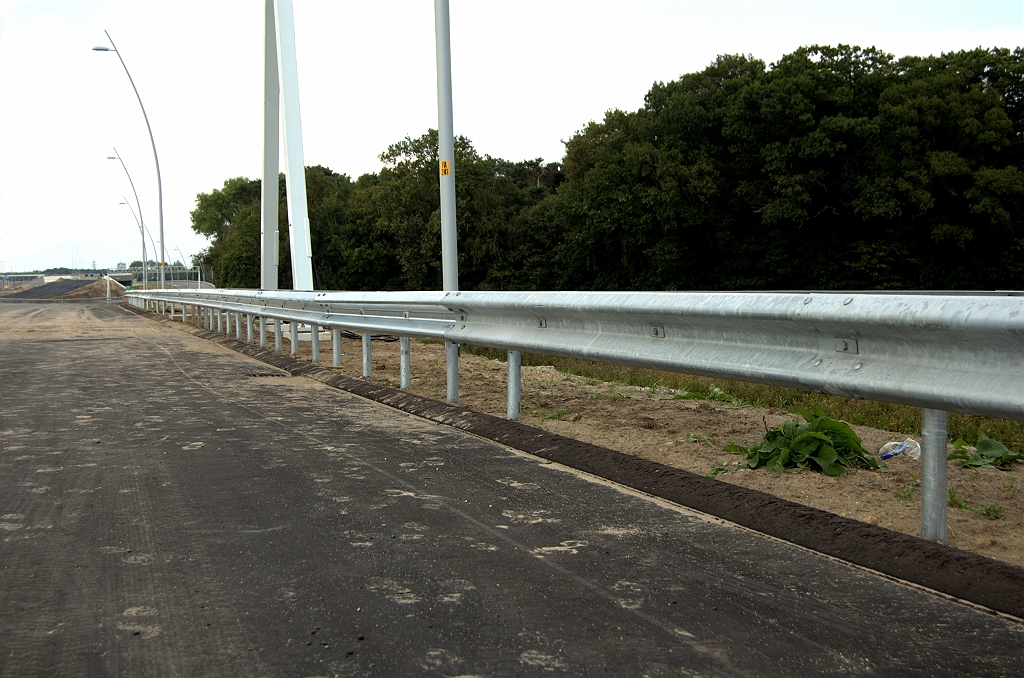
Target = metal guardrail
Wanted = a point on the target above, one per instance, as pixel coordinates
(961, 352)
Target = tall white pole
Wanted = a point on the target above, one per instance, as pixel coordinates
(295, 172)
(156, 161)
(271, 162)
(446, 171)
(446, 147)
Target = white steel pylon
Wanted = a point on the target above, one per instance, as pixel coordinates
(281, 103)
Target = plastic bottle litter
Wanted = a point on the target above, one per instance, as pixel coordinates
(909, 448)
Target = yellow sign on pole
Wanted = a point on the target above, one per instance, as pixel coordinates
(446, 168)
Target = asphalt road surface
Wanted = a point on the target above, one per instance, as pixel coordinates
(170, 507)
(50, 290)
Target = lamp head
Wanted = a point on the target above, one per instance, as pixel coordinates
(111, 157)
(103, 49)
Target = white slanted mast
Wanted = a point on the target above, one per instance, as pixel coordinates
(281, 98)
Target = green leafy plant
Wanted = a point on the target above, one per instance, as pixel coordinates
(714, 393)
(907, 493)
(956, 502)
(821, 444)
(987, 453)
(717, 470)
(993, 511)
(558, 414)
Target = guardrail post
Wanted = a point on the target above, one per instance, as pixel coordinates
(277, 334)
(405, 372)
(515, 360)
(263, 331)
(294, 349)
(934, 434)
(336, 347)
(451, 354)
(238, 326)
(248, 327)
(314, 342)
(184, 313)
(367, 355)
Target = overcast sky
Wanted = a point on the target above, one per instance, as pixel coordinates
(526, 75)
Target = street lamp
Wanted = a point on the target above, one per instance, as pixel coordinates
(156, 160)
(144, 232)
(141, 226)
(138, 220)
(186, 270)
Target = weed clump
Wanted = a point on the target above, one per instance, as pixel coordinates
(987, 453)
(821, 444)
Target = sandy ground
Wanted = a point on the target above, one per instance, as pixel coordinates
(690, 435)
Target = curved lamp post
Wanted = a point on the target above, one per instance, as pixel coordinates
(143, 231)
(138, 219)
(141, 225)
(159, 183)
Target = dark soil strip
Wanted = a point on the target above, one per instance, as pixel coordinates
(991, 583)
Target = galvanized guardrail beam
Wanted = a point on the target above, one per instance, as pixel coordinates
(962, 353)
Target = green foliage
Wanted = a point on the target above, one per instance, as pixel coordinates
(715, 472)
(955, 501)
(881, 173)
(821, 444)
(714, 393)
(993, 511)
(987, 453)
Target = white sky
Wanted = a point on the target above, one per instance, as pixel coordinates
(526, 75)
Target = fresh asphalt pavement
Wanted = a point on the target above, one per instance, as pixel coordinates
(170, 507)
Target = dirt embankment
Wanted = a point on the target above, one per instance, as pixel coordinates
(95, 290)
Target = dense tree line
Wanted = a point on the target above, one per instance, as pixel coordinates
(833, 168)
